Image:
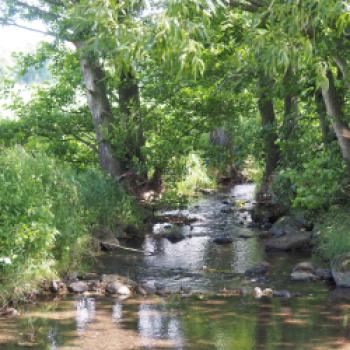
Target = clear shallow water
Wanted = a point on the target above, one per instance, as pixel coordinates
(312, 321)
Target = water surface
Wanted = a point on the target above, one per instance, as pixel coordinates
(312, 321)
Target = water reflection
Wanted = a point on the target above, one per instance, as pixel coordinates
(52, 338)
(85, 313)
(155, 322)
(117, 312)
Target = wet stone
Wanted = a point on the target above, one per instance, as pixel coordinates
(118, 288)
(78, 287)
(324, 274)
(304, 266)
(303, 276)
(282, 294)
(259, 269)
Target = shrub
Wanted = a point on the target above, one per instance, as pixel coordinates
(319, 183)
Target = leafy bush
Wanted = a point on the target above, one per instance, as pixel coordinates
(319, 183)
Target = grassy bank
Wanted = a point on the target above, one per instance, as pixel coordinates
(48, 212)
(333, 231)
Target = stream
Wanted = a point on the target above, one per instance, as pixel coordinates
(191, 263)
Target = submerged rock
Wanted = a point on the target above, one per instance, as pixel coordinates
(293, 241)
(175, 236)
(223, 240)
(259, 269)
(340, 294)
(282, 294)
(226, 211)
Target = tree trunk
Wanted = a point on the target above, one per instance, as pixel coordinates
(129, 103)
(327, 132)
(268, 123)
(331, 99)
(101, 112)
(290, 116)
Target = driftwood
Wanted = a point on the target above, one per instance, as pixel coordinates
(113, 246)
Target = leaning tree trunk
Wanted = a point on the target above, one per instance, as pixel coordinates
(328, 134)
(101, 112)
(333, 106)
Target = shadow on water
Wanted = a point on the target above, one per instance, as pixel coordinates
(310, 322)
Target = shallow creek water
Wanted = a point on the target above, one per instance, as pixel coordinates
(311, 321)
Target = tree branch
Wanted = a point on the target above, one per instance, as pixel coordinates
(14, 24)
(35, 10)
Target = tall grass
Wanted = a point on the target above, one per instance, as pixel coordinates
(47, 212)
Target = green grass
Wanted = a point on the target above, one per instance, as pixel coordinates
(333, 232)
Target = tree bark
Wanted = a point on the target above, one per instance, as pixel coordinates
(327, 132)
(101, 112)
(129, 103)
(333, 106)
(268, 123)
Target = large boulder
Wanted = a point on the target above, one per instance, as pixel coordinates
(290, 224)
(293, 241)
(340, 267)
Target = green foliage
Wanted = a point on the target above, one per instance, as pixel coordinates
(319, 183)
(333, 231)
(187, 175)
(106, 203)
(47, 213)
(195, 177)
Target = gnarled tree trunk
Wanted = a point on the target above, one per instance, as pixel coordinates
(333, 106)
(328, 134)
(101, 112)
